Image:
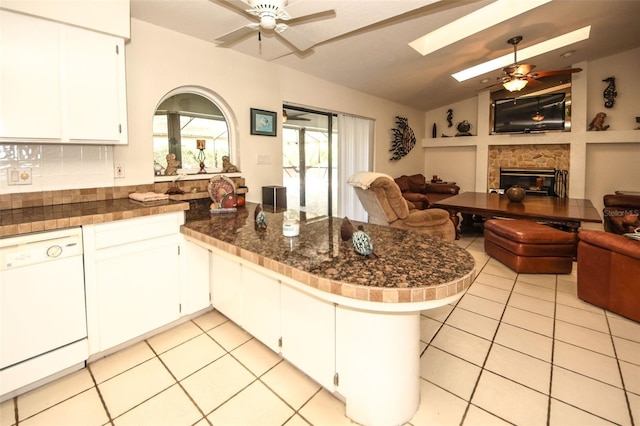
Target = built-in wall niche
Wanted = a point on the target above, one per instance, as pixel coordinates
(536, 88)
(547, 156)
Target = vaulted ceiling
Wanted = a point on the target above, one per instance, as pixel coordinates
(365, 44)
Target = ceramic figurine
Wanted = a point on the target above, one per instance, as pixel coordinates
(598, 122)
(260, 217)
(515, 193)
(463, 128)
(346, 229)
(449, 118)
(172, 165)
(227, 167)
(362, 243)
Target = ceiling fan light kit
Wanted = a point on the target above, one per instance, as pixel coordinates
(515, 84)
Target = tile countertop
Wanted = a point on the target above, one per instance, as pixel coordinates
(409, 267)
(45, 218)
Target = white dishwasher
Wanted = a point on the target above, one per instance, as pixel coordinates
(43, 327)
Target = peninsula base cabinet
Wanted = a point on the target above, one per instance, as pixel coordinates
(308, 334)
(291, 322)
(132, 278)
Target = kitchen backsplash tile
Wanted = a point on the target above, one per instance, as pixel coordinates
(80, 195)
(57, 167)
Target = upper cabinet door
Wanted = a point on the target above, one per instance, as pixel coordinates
(30, 78)
(93, 81)
(60, 84)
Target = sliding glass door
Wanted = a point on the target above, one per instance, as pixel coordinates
(309, 147)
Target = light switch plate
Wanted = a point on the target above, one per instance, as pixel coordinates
(19, 176)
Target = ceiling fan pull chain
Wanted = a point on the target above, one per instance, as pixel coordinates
(259, 35)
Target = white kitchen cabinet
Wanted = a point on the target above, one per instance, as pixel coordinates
(30, 76)
(261, 306)
(196, 289)
(225, 285)
(132, 278)
(60, 84)
(308, 334)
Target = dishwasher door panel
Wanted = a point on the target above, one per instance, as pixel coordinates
(42, 307)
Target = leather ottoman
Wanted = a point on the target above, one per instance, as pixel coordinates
(530, 247)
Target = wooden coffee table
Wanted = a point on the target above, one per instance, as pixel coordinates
(568, 213)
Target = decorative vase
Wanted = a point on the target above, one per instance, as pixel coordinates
(515, 194)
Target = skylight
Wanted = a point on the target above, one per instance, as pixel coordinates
(480, 20)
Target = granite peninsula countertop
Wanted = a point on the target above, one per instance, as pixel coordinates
(45, 218)
(408, 267)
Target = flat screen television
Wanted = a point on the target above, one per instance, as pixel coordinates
(529, 114)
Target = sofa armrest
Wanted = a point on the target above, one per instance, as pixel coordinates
(629, 202)
(612, 242)
(417, 198)
(442, 188)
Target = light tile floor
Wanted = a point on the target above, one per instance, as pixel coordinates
(516, 349)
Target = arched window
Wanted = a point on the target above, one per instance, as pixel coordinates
(185, 116)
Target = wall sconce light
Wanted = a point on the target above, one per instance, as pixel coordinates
(284, 116)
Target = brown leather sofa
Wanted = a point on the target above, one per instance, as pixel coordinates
(621, 211)
(609, 272)
(422, 194)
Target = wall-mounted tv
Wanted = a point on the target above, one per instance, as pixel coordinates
(529, 114)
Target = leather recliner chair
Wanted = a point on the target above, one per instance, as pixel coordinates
(381, 198)
(621, 211)
(609, 271)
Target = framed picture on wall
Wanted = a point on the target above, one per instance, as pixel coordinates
(263, 122)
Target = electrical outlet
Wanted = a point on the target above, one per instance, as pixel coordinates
(19, 176)
(119, 171)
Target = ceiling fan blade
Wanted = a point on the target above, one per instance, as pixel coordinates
(296, 39)
(238, 34)
(536, 75)
(524, 69)
(532, 82)
(315, 16)
(240, 5)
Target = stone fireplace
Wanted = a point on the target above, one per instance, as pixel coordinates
(552, 156)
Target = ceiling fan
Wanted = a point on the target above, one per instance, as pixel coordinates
(287, 116)
(516, 76)
(269, 14)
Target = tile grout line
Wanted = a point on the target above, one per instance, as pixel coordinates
(484, 363)
(624, 388)
(257, 378)
(177, 382)
(104, 403)
(553, 351)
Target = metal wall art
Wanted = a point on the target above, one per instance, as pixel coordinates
(403, 139)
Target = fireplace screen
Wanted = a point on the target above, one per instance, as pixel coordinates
(551, 182)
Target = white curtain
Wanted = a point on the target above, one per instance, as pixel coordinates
(355, 148)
